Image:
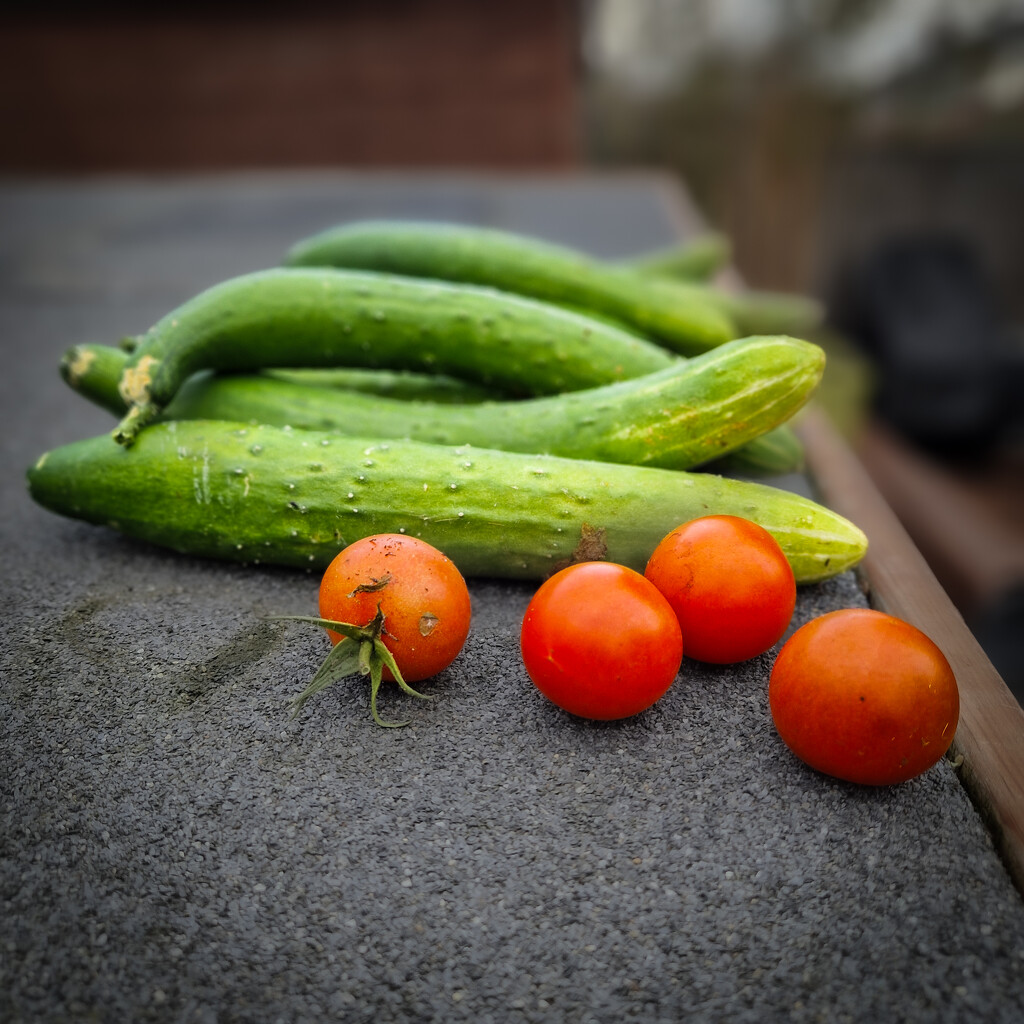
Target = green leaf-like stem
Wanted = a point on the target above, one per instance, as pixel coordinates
(360, 652)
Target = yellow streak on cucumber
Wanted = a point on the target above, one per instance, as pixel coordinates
(135, 381)
(78, 365)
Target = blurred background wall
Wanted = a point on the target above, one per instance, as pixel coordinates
(867, 152)
(871, 153)
(808, 127)
(356, 83)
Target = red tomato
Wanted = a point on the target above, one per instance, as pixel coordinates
(600, 641)
(864, 696)
(422, 594)
(730, 585)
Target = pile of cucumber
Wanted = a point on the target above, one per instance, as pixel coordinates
(513, 403)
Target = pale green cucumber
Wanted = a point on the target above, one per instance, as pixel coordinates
(776, 452)
(683, 321)
(768, 312)
(403, 384)
(293, 497)
(696, 259)
(685, 415)
(660, 305)
(95, 371)
(324, 317)
(752, 310)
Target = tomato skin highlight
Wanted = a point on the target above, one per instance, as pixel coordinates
(423, 596)
(600, 641)
(865, 697)
(730, 585)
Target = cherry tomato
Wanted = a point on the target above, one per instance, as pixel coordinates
(864, 696)
(600, 641)
(421, 593)
(729, 583)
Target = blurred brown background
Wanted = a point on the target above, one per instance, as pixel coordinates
(803, 129)
(354, 83)
(868, 152)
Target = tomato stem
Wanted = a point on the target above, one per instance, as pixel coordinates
(361, 651)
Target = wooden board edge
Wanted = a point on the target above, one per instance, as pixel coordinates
(989, 743)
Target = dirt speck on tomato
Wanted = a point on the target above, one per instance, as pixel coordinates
(420, 591)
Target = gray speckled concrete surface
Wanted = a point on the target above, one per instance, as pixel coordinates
(175, 848)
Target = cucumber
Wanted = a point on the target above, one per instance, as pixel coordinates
(325, 317)
(402, 384)
(697, 259)
(752, 310)
(775, 452)
(667, 304)
(767, 312)
(95, 371)
(683, 416)
(682, 320)
(295, 498)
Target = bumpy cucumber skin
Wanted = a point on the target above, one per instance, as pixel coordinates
(686, 323)
(295, 498)
(683, 416)
(325, 317)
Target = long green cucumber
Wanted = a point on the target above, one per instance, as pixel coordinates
(294, 497)
(408, 384)
(696, 259)
(683, 416)
(752, 310)
(95, 371)
(402, 384)
(325, 317)
(660, 305)
(776, 452)
(767, 312)
(681, 320)
(334, 400)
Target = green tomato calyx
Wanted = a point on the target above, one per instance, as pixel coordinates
(360, 651)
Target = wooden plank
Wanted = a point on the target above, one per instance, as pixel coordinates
(898, 580)
(990, 737)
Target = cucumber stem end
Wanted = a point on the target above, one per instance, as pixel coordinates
(136, 418)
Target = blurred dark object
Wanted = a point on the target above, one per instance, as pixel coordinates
(999, 628)
(452, 83)
(921, 309)
(967, 520)
(808, 132)
(942, 439)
